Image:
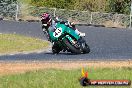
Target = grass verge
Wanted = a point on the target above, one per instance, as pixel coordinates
(55, 78)
(12, 43)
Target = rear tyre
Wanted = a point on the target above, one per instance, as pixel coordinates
(55, 49)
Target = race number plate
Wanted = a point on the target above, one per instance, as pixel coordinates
(57, 32)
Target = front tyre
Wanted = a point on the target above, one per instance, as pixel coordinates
(71, 48)
(56, 49)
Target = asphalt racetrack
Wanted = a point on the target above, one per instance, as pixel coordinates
(105, 43)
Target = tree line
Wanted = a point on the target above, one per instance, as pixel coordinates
(116, 6)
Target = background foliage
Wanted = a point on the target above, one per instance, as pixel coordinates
(118, 6)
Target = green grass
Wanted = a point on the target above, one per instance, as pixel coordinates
(53, 78)
(10, 43)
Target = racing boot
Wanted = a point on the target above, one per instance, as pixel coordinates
(80, 33)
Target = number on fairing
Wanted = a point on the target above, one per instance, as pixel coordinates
(57, 32)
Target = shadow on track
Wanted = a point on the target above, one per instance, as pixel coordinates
(62, 53)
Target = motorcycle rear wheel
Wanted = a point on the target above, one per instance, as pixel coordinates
(56, 49)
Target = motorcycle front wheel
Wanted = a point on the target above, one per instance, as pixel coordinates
(71, 47)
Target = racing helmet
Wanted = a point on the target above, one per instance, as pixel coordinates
(46, 18)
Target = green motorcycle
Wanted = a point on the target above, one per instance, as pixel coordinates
(64, 39)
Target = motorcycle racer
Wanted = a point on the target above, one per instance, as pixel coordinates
(49, 23)
(63, 35)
